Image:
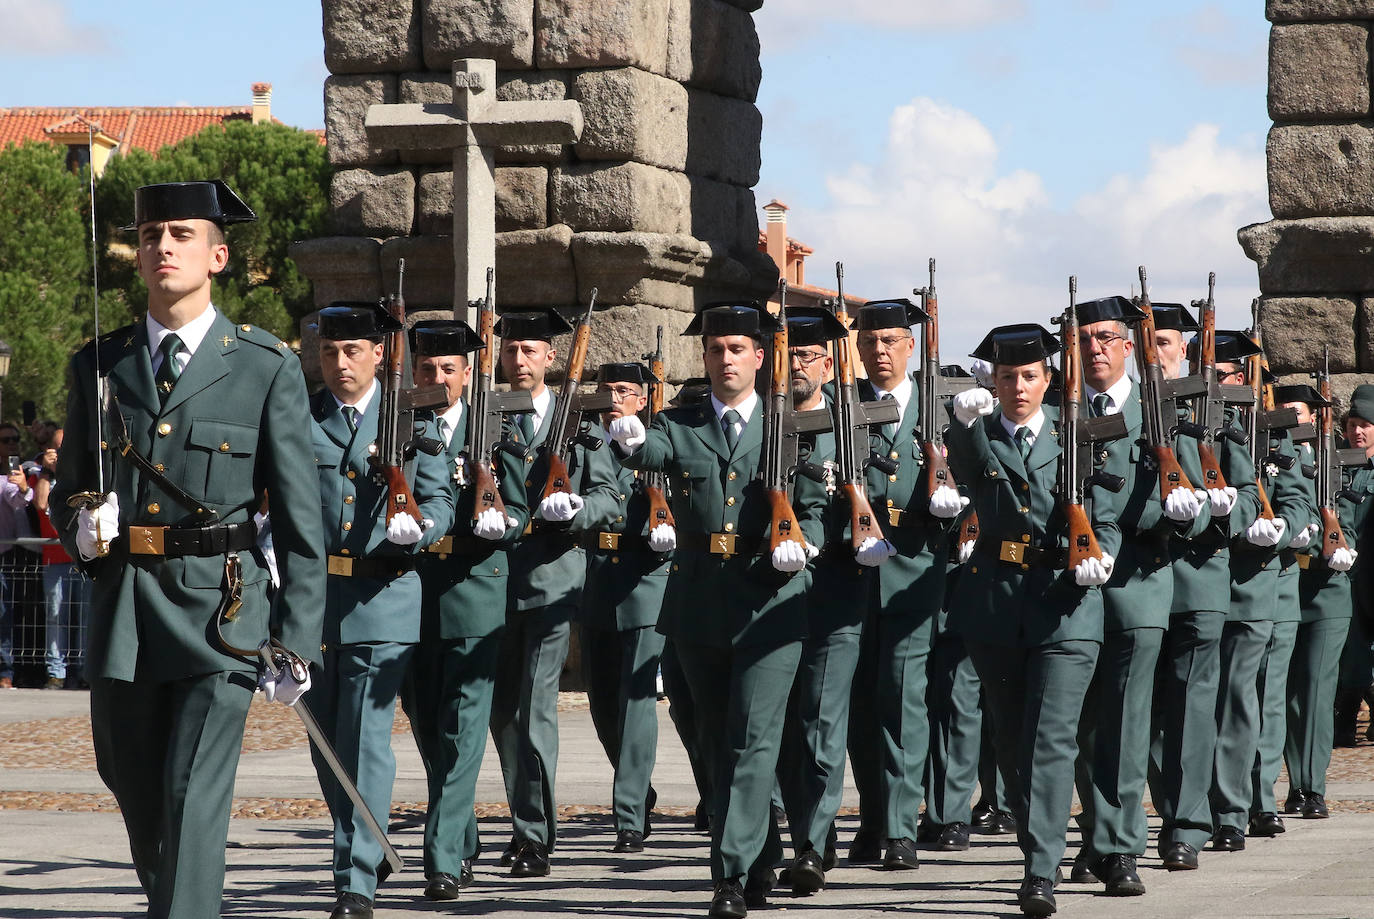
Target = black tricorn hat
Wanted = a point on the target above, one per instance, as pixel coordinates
(212, 200)
(813, 325)
(1234, 347)
(532, 325)
(744, 317)
(1015, 345)
(345, 320)
(1105, 309)
(624, 372)
(1174, 316)
(1298, 392)
(900, 313)
(437, 337)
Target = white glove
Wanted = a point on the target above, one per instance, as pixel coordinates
(873, 551)
(971, 404)
(982, 371)
(285, 687)
(1303, 538)
(1342, 559)
(966, 550)
(811, 551)
(663, 538)
(404, 531)
(560, 507)
(947, 502)
(789, 556)
(1092, 572)
(1183, 504)
(492, 524)
(628, 431)
(93, 526)
(1223, 500)
(1265, 532)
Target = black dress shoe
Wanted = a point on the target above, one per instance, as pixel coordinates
(649, 801)
(928, 831)
(982, 813)
(831, 857)
(1265, 823)
(728, 901)
(806, 874)
(1036, 897)
(1228, 839)
(1314, 808)
(866, 848)
(512, 850)
(1180, 856)
(443, 886)
(352, 905)
(1118, 872)
(999, 823)
(1082, 870)
(756, 888)
(953, 838)
(901, 855)
(465, 873)
(1295, 801)
(531, 862)
(628, 841)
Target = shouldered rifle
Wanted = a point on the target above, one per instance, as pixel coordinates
(566, 428)
(1077, 438)
(655, 483)
(1160, 413)
(852, 439)
(1209, 410)
(1331, 465)
(935, 388)
(486, 411)
(777, 471)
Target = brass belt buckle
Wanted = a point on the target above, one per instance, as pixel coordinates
(442, 547)
(608, 540)
(894, 516)
(341, 565)
(146, 540)
(722, 544)
(1013, 552)
(1304, 562)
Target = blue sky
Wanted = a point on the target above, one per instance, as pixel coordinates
(1017, 141)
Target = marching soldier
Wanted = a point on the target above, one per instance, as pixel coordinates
(372, 607)
(214, 416)
(736, 612)
(889, 730)
(1032, 629)
(447, 692)
(548, 571)
(627, 571)
(1114, 731)
(1357, 657)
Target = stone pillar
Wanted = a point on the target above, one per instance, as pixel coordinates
(1316, 257)
(653, 206)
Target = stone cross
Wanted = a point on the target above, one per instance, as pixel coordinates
(474, 125)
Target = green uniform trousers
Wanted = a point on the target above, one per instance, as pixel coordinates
(745, 690)
(811, 766)
(1114, 743)
(1185, 727)
(1357, 657)
(682, 709)
(620, 670)
(168, 752)
(889, 730)
(1272, 688)
(524, 717)
(1238, 720)
(956, 733)
(1312, 678)
(354, 699)
(1035, 698)
(447, 695)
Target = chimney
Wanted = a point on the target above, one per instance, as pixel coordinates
(262, 103)
(775, 234)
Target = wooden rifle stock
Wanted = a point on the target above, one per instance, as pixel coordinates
(485, 493)
(968, 530)
(399, 499)
(1333, 537)
(862, 524)
(1171, 474)
(659, 511)
(783, 526)
(937, 468)
(1211, 468)
(559, 479)
(1082, 541)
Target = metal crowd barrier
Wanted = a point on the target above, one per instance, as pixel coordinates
(43, 617)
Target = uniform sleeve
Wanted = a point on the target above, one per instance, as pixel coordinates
(510, 472)
(76, 469)
(1238, 466)
(1185, 449)
(970, 454)
(433, 491)
(820, 515)
(1295, 497)
(598, 489)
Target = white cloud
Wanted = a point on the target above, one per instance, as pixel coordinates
(1005, 248)
(43, 28)
(785, 21)
(1221, 48)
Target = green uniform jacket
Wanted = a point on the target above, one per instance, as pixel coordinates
(1000, 602)
(1254, 569)
(235, 428)
(548, 567)
(711, 599)
(625, 585)
(838, 582)
(1317, 603)
(465, 592)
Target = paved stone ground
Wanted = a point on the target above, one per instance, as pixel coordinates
(63, 853)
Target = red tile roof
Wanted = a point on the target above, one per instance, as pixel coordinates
(136, 127)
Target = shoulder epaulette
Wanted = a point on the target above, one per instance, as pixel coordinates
(262, 338)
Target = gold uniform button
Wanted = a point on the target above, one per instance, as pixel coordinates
(729, 528)
(1025, 537)
(1025, 567)
(160, 468)
(732, 476)
(529, 460)
(992, 473)
(730, 501)
(496, 571)
(348, 499)
(527, 483)
(615, 559)
(1023, 509)
(154, 508)
(688, 475)
(224, 447)
(974, 569)
(164, 429)
(246, 328)
(889, 503)
(347, 525)
(343, 551)
(675, 566)
(894, 455)
(620, 520)
(352, 474)
(892, 478)
(1025, 486)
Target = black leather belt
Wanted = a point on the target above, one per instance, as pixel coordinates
(460, 544)
(173, 542)
(1021, 554)
(726, 544)
(390, 566)
(606, 541)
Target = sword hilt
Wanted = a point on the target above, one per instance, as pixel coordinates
(90, 500)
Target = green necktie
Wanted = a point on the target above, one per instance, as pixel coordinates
(351, 416)
(169, 370)
(526, 425)
(890, 428)
(1023, 444)
(1100, 403)
(728, 419)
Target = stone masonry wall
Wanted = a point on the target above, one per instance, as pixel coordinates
(1316, 257)
(653, 206)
